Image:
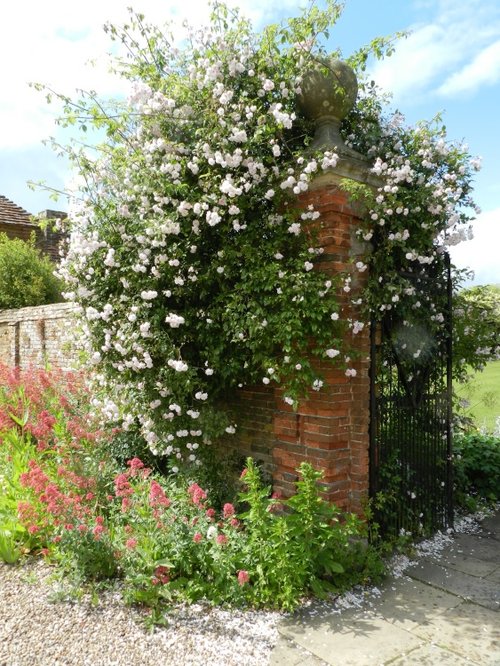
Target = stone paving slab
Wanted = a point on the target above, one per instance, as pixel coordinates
(286, 653)
(480, 591)
(492, 524)
(408, 603)
(464, 563)
(468, 629)
(432, 655)
(495, 576)
(444, 612)
(354, 638)
(484, 548)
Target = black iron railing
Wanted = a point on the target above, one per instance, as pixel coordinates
(411, 481)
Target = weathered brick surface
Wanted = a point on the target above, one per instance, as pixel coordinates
(35, 337)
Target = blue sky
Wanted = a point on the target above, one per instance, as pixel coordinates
(450, 63)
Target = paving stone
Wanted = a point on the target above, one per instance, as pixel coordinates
(480, 591)
(353, 638)
(432, 655)
(492, 524)
(464, 563)
(287, 653)
(407, 603)
(482, 548)
(469, 630)
(420, 619)
(495, 576)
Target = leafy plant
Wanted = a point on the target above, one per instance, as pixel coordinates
(65, 496)
(476, 469)
(26, 276)
(302, 544)
(9, 545)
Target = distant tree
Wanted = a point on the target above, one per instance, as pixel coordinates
(26, 276)
(477, 326)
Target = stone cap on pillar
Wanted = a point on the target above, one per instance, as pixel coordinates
(328, 93)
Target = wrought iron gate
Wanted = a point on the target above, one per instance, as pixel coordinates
(410, 427)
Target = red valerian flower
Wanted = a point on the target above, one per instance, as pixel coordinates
(198, 495)
(135, 463)
(228, 510)
(131, 543)
(161, 575)
(122, 486)
(243, 577)
(97, 531)
(157, 495)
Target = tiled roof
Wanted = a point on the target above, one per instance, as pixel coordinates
(13, 214)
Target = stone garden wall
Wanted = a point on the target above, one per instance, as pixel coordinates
(37, 336)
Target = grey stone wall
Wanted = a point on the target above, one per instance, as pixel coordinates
(37, 336)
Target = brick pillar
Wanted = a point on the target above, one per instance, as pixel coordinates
(331, 429)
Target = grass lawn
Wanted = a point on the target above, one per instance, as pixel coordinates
(483, 394)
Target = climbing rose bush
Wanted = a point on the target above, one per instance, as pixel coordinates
(196, 269)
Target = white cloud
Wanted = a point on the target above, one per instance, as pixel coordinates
(481, 253)
(439, 50)
(417, 61)
(483, 70)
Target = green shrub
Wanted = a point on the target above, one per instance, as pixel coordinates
(26, 276)
(476, 469)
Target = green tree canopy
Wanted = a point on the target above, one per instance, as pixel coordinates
(476, 313)
(26, 276)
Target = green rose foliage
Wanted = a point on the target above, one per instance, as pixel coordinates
(26, 276)
(197, 269)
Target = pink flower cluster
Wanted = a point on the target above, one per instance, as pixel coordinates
(228, 510)
(161, 576)
(157, 497)
(198, 495)
(243, 577)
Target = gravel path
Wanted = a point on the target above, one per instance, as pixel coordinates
(36, 632)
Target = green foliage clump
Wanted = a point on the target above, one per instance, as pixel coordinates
(26, 276)
(476, 469)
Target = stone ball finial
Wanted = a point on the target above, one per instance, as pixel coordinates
(328, 93)
(329, 89)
